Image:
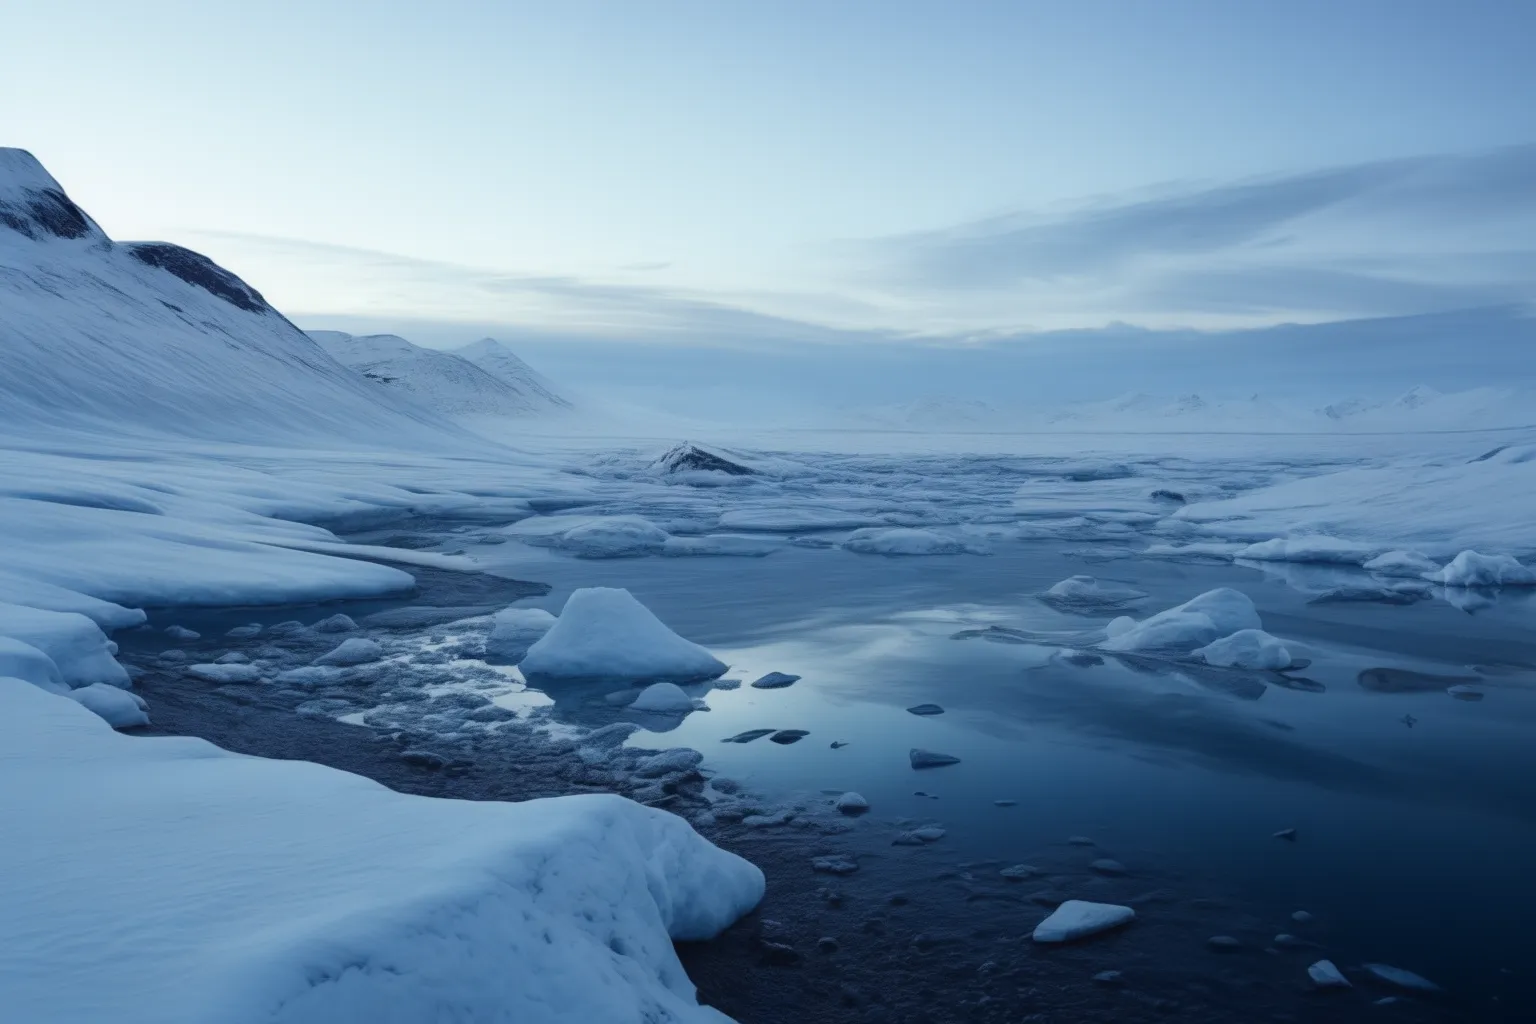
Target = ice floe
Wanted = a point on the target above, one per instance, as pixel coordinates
(1079, 919)
(604, 633)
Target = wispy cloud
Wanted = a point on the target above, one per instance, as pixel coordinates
(1353, 240)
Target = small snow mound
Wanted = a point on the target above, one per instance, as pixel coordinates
(1085, 591)
(1325, 975)
(182, 633)
(337, 623)
(1407, 564)
(1247, 649)
(615, 537)
(852, 803)
(118, 708)
(901, 540)
(1078, 919)
(514, 630)
(1193, 624)
(604, 633)
(663, 699)
(353, 651)
(1471, 569)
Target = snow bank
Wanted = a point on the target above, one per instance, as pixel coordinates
(1248, 649)
(187, 885)
(513, 631)
(903, 541)
(23, 661)
(1193, 624)
(74, 643)
(118, 708)
(1470, 569)
(605, 633)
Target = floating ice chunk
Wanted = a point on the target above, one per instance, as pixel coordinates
(514, 630)
(901, 540)
(352, 651)
(614, 537)
(1407, 564)
(1088, 592)
(226, 673)
(852, 803)
(1220, 549)
(605, 633)
(1316, 548)
(311, 676)
(75, 643)
(794, 519)
(1108, 866)
(117, 707)
(663, 699)
(930, 759)
(1325, 975)
(721, 545)
(1078, 919)
(232, 658)
(1471, 569)
(337, 623)
(23, 661)
(182, 633)
(1247, 649)
(1401, 978)
(244, 632)
(1195, 623)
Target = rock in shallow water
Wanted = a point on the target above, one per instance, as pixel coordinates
(834, 865)
(852, 803)
(787, 736)
(930, 759)
(1079, 919)
(926, 710)
(774, 681)
(748, 736)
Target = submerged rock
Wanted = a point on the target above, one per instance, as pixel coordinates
(1079, 919)
(852, 803)
(788, 736)
(748, 736)
(930, 759)
(926, 710)
(182, 633)
(1108, 866)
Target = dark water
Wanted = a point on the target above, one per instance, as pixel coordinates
(1415, 812)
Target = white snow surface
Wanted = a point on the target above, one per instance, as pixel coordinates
(164, 881)
(1247, 649)
(604, 633)
(1181, 629)
(78, 648)
(118, 708)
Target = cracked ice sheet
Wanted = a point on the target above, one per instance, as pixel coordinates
(288, 893)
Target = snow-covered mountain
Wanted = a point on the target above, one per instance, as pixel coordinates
(502, 363)
(151, 338)
(445, 382)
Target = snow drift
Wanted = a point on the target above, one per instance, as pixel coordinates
(164, 881)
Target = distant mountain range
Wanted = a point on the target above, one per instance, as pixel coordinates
(482, 379)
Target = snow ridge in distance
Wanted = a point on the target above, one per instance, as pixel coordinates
(153, 339)
(495, 383)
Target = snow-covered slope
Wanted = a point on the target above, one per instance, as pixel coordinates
(162, 880)
(446, 382)
(502, 363)
(147, 337)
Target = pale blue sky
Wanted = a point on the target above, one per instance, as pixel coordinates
(735, 171)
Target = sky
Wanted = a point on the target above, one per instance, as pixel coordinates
(802, 173)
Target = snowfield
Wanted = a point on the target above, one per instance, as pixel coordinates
(165, 881)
